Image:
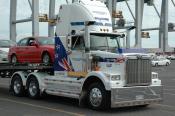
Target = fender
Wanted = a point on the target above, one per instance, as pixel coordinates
(100, 75)
(23, 76)
(40, 76)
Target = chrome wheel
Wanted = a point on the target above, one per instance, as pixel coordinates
(33, 89)
(17, 86)
(95, 97)
(98, 97)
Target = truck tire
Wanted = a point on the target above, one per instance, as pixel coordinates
(98, 97)
(17, 86)
(33, 88)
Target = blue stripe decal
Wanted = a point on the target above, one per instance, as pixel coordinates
(77, 23)
(96, 23)
(108, 24)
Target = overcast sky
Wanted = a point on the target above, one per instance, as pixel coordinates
(150, 19)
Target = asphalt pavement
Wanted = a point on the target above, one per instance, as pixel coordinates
(60, 106)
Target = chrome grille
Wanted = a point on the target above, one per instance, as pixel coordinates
(138, 72)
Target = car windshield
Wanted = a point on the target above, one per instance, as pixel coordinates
(46, 41)
(104, 41)
(6, 43)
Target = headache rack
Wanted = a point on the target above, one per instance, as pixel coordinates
(7, 69)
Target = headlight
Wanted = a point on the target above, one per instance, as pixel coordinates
(115, 77)
(155, 76)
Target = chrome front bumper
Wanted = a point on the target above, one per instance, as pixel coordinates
(134, 96)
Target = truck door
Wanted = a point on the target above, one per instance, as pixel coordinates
(21, 50)
(34, 52)
(77, 56)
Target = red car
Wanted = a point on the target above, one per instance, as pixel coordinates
(33, 50)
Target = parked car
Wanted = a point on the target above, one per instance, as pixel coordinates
(171, 57)
(160, 61)
(4, 49)
(33, 50)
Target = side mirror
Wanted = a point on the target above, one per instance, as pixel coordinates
(122, 35)
(69, 42)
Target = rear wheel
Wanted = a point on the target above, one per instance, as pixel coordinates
(46, 58)
(156, 64)
(17, 86)
(167, 64)
(14, 59)
(33, 88)
(98, 97)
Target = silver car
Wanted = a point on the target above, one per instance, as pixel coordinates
(4, 49)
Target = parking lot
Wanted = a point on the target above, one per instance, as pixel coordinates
(55, 106)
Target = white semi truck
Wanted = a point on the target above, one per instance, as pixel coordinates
(89, 64)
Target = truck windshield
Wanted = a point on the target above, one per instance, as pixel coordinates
(104, 41)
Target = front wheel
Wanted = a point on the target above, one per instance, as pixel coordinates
(33, 88)
(98, 97)
(167, 64)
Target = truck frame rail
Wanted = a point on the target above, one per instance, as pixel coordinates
(7, 69)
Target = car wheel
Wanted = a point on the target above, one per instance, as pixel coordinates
(14, 59)
(156, 64)
(46, 58)
(33, 88)
(98, 97)
(17, 86)
(167, 64)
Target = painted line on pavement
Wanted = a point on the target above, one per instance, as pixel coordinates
(42, 107)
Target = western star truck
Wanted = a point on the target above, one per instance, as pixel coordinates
(89, 64)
